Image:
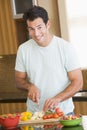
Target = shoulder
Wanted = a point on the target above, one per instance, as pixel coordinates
(61, 41)
(63, 44)
(26, 44)
(25, 47)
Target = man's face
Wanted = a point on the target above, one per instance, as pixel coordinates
(38, 31)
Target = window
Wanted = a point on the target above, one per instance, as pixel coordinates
(75, 18)
(20, 6)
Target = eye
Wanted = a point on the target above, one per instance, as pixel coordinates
(39, 28)
(30, 29)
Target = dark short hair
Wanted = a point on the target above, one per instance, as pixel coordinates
(36, 12)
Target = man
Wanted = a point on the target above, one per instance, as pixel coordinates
(47, 66)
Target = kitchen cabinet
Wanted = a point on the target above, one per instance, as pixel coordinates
(80, 107)
(80, 102)
(84, 73)
(8, 37)
(22, 33)
(13, 102)
(6, 108)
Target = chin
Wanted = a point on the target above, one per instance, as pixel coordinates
(40, 42)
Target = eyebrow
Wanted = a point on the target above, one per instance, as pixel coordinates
(36, 26)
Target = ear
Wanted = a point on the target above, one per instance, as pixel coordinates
(48, 24)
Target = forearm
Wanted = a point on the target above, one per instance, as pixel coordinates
(22, 83)
(33, 92)
(73, 88)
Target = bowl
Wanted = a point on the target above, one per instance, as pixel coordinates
(9, 121)
(71, 121)
(78, 127)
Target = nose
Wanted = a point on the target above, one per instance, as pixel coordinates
(36, 32)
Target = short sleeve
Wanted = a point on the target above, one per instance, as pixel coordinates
(19, 65)
(71, 58)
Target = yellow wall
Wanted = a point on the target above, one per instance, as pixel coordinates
(52, 8)
(8, 39)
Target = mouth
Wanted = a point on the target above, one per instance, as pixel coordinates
(39, 37)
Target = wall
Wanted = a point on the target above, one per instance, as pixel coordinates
(52, 9)
(63, 19)
(8, 38)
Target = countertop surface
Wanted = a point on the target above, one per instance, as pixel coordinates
(80, 96)
(13, 97)
(82, 126)
(21, 96)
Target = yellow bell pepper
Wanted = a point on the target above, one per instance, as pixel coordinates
(25, 116)
(27, 128)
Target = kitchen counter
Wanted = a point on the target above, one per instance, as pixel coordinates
(82, 126)
(80, 96)
(11, 97)
(21, 96)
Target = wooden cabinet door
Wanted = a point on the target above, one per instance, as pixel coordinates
(8, 37)
(6, 108)
(80, 108)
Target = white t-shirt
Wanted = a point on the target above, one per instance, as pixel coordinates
(47, 68)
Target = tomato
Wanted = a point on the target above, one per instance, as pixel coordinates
(10, 115)
(49, 116)
(70, 117)
(55, 115)
(45, 126)
(59, 125)
(58, 110)
(45, 117)
(60, 114)
(48, 126)
(74, 117)
(66, 117)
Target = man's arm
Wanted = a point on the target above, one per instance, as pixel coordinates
(22, 83)
(76, 84)
(21, 80)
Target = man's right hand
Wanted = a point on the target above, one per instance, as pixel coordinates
(34, 93)
(22, 83)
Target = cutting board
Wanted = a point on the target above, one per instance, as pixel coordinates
(39, 121)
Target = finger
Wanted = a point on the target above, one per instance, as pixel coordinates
(50, 104)
(46, 105)
(38, 101)
(32, 97)
(38, 98)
